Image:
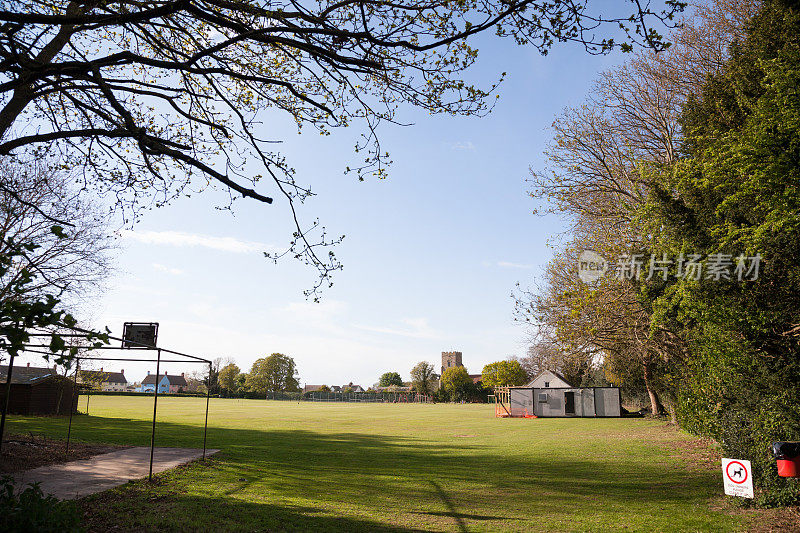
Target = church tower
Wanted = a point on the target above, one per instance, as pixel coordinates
(450, 359)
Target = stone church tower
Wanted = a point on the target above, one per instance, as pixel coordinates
(451, 359)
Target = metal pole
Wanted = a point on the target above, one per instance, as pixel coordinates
(5, 403)
(155, 407)
(71, 403)
(88, 393)
(208, 395)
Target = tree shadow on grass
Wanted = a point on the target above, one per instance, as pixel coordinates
(176, 512)
(334, 479)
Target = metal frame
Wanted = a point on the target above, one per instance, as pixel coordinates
(32, 348)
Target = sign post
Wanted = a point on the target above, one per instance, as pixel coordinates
(140, 335)
(737, 477)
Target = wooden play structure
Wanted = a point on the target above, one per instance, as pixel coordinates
(503, 407)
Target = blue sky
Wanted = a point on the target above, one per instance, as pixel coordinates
(430, 258)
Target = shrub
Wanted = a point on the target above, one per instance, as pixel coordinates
(32, 510)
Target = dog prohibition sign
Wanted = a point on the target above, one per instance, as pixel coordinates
(736, 478)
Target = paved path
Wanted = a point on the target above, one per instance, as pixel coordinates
(105, 471)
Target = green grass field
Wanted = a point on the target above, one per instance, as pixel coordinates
(367, 467)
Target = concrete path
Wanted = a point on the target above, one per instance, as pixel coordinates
(105, 471)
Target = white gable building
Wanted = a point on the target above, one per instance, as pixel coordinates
(549, 380)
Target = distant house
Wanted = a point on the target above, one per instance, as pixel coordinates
(106, 381)
(352, 388)
(312, 388)
(549, 380)
(475, 377)
(335, 388)
(38, 391)
(166, 383)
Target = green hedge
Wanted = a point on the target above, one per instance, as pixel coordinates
(126, 393)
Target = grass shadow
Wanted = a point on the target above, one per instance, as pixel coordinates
(349, 481)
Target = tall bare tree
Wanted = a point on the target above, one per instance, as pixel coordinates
(599, 178)
(71, 263)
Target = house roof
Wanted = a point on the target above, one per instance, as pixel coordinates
(312, 388)
(556, 374)
(173, 379)
(475, 377)
(104, 377)
(27, 375)
(562, 378)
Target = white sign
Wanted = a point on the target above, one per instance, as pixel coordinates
(737, 476)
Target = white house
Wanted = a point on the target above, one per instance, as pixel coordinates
(106, 381)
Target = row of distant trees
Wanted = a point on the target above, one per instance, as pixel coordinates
(274, 373)
(278, 373)
(456, 385)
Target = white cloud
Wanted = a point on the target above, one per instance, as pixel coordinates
(169, 270)
(460, 145)
(417, 328)
(507, 264)
(179, 238)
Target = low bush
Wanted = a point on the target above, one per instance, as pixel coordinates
(31, 510)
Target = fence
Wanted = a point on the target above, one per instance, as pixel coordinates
(315, 396)
(370, 397)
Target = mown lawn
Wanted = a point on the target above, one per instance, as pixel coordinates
(367, 467)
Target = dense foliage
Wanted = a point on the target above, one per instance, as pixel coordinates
(30, 510)
(736, 192)
(423, 378)
(683, 172)
(456, 383)
(276, 373)
(228, 375)
(503, 373)
(389, 379)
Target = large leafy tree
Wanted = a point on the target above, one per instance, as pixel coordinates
(211, 379)
(423, 378)
(457, 383)
(390, 378)
(228, 378)
(145, 95)
(275, 373)
(502, 373)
